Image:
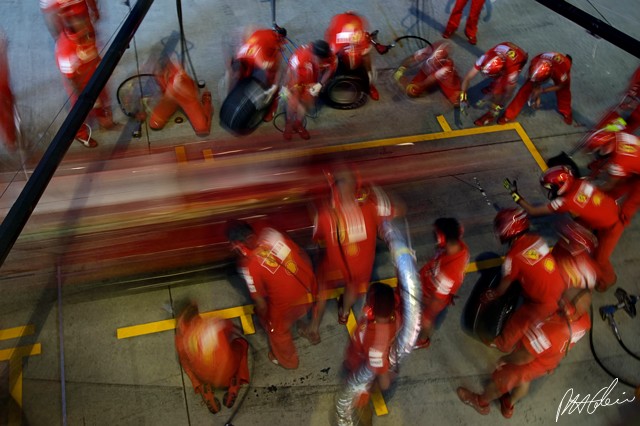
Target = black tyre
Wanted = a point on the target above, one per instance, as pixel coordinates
(242, 110)
(485, 322)
(348, 89)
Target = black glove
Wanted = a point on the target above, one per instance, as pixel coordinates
(512, 187)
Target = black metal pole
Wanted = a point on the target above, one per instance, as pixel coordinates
(594, 25)
(21, 210)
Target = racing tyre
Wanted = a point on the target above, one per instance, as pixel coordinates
(244, 107)
(348, 89)
(485, 322)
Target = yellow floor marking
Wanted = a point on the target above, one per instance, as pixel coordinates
(242, 312)
(379, 405)
(15, 332)
(305, 152)
(181, 154)
(530, 146)
(14, 356)
(443, 123)
(208, 155)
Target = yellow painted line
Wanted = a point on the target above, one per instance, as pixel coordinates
(181, 154)
(484, 264)
(304, 152)
(20, 352)
(15, 332)
(170, 324)
(443, 123)
(378, 403)
(14, 356)
(530, 146)
(208, 155)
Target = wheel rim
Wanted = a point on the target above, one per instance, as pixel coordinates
(344, 92)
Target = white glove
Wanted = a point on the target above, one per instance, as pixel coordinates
(315, 89)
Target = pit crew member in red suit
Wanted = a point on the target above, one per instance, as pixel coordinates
(502, 64)
(348, 38)
(8, 128)
(436, 68)
(87, 9)
(310, 67)
(550, 65)
(589, 206)
(373, 337)
(630, 103)
(346, 228)
(574, 254)
(471, 28)
(619, 155)
(77, 57)
(539, 352)
(528, 261)
(180, 91)
(281, 282)
(442, 275)
(213, 354)
(261, 52)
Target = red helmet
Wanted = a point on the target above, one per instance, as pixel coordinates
(509, 223)
(540, 71)
(601, 142)
(492, 64)
(75, 19)
(557, 180)
(575, 237)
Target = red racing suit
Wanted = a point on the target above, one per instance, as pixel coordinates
(210, 353)
(348, 38)
(577, 267)
(624, 163)
(441, 278)
(514, 59)
(349, 236)
(87, 10)
(280, 272)
(8, 129)
(370, 345)
(305, 70)
(471, 27)
(549, 341)
(598, 212)
(529, 261)
(261, 50)
(633, 119)
(77, 61)
(180, 91)
(560, 74)
(444, 72)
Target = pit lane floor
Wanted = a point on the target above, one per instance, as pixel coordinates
(127, 371)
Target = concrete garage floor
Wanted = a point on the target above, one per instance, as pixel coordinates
(74, 364)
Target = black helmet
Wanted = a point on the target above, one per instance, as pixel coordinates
(321, 49)
(280, 31)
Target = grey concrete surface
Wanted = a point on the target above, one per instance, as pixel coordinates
(138, 381)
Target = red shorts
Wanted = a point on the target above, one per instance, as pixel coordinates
(510, 376)
(431, 308)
